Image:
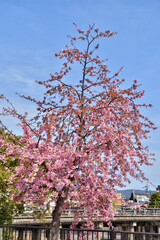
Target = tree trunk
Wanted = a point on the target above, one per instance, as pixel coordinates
(56, 214)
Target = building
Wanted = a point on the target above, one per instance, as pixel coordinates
(140, 198)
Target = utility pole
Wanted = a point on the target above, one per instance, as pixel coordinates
(147, 188)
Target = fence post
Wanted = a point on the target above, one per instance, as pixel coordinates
(35, 234)
(20, 234)
(48, 234)
(112, 235)
(62, 234)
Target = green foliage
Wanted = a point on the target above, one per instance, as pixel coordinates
(8, 207)
(155, 200)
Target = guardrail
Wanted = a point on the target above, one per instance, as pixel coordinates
(44, 233)
(141, 211)
(120, 212)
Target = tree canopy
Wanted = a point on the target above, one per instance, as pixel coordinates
(8, 206)
(86, 138)
(155, 200)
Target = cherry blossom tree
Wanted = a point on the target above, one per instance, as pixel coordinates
(86, 137)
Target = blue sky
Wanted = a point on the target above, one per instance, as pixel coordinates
(33, 30)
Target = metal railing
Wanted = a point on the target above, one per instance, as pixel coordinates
(120, 212)
(44, 233)
(141, 211)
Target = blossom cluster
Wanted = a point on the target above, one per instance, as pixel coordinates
(86, 139)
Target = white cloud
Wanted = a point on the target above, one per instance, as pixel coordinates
(12, 76)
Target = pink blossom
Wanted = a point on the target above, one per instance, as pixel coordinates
(85, 141)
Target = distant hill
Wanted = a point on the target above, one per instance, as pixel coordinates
(127, 193)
